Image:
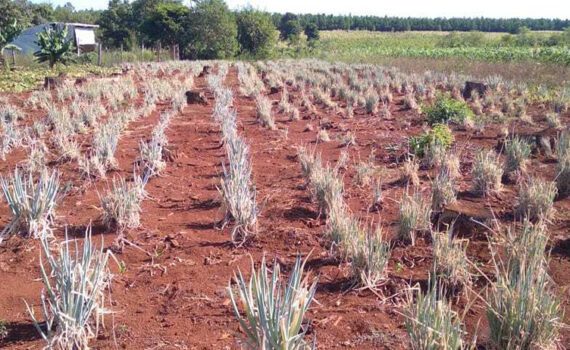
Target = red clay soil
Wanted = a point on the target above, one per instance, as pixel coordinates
(174, 294)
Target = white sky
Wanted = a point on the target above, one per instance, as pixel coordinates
(403, 8)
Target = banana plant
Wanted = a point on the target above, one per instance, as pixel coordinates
(55, 47)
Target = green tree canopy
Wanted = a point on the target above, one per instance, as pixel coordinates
(116, 25)
(256, 33)
(212, 31)
(9, 32)
(312, 31)
(166, 22)
(10, 12)
(290, 27)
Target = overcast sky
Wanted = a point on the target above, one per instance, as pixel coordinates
(404, 8)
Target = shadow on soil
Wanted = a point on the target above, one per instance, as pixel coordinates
(298, 213)
(562, 248)
(97, 228)
(19, 332)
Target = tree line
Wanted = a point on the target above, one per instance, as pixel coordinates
(482, 24)
(208, 29)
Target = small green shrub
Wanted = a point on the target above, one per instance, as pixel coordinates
(439, 134)
(447, 109)
(54, 46)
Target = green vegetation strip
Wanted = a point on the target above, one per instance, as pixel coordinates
(24, 79)
(358, 47)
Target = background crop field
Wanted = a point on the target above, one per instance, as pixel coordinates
(477, 54)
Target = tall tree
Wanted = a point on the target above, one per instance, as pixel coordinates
(166, 23)
(42, 13)
(290, 27)
(312, 31)
(116, 25)
(257, 35)
(10, 11)
(212, 31)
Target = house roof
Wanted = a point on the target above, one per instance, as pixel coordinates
(84, 25)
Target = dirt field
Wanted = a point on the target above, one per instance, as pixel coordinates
(173, 293)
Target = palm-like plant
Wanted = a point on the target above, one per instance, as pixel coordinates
(73, 300)
(54, 46)
(6, 36)
(32, 201)
(273, 310)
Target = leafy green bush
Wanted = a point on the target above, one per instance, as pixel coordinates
(8, 32)
(439, 134)
(87, 58)
(447, 109)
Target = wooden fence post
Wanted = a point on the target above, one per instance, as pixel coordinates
(99, 52)
(159, 51)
